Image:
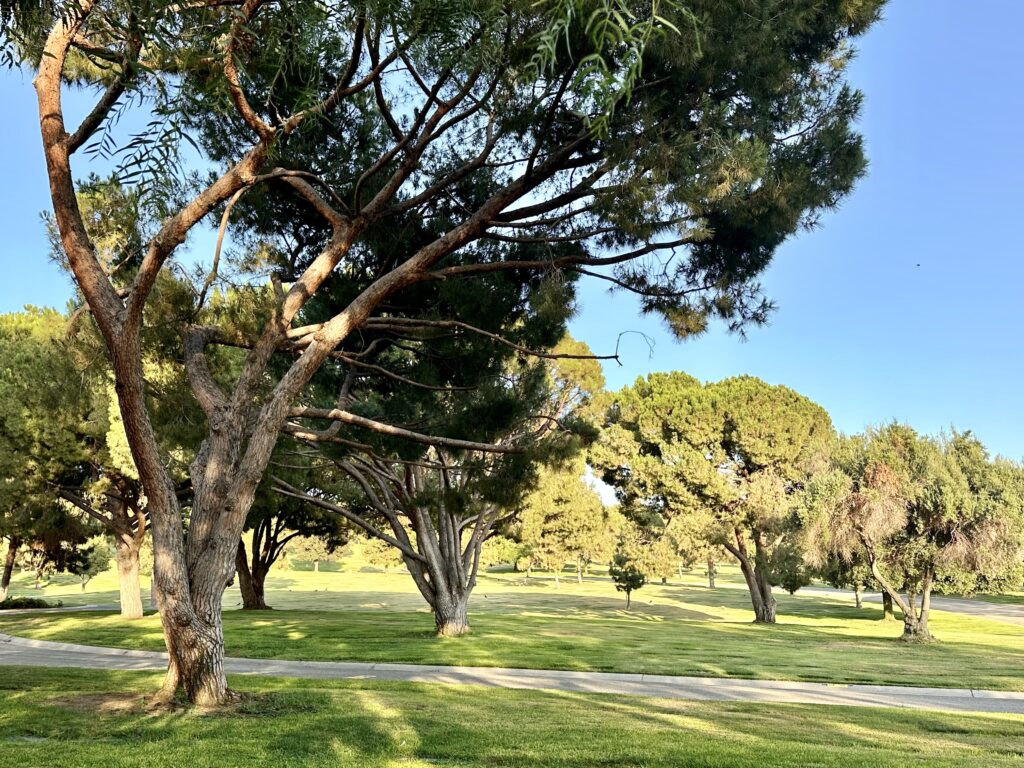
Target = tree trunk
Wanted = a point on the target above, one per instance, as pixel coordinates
(887, 613)
(711, 573)
(915, 622)
(629, 594)
(579, 574)
(857, 599)
(127, 557)
(451, 615)
(316, 566)
(13, 544)
(761, 597)
(250, 582)
(557, 582)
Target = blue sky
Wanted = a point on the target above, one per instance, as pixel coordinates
(860, 327)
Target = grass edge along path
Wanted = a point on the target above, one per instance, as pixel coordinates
(700, 649)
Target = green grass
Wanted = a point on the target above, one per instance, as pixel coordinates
(1008, 598)
(80, 719)
(675, 629)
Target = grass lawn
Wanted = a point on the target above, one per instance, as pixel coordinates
(672, 629)
(82, 719)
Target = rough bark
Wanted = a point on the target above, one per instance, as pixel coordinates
(130, 591)
(451, 615)
(712, 572)
(887, 612)
(857, 597)
(13, 544)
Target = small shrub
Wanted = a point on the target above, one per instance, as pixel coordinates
(12, 603)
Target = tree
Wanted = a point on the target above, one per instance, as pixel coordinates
(730, 456)
(501, 550)
(275, 521)
(13, 545)
(608, 143)
(626, 573)
(564, 520)
(381, 554)
(94, 560)
(312, 549)
(438, 504)
(922, 513)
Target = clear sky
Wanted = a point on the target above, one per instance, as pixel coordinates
(861, 328)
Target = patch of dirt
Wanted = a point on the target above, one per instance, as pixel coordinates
(103, 703)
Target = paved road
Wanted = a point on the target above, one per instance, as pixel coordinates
(1008, 613)
(20, 651)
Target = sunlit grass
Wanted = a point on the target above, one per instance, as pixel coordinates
(680, 628)
(79, 719)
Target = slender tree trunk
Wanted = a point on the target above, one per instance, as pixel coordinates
(558, 583)
(712, 572)
(127, 557)
(857, 598)
(316, 566)
(915, 622)
(579, 573)
(887, 612)
(13, 544)
(251, 582)
(629, 594)
(761, 597)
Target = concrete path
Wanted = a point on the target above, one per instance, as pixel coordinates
(1008, 613)
(21, 651)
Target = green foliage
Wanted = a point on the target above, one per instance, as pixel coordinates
(93, 559)
(381, 554)
(931, 512)
(722, 464)
(564, 520)
(625, 572)
(13, 603)
(501, 550)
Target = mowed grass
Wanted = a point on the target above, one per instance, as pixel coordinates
(683, 629)
(84, 719)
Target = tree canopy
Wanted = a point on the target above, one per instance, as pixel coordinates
(727, 457)
(437, 153)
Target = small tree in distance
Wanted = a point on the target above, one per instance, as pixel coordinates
(626, 573)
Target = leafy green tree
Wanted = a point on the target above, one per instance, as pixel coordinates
(439, 502)
(94, 559)
(273, 522)
(923, 513)
(731, 457)
(626, 573)
(381, 554)
(668, 148)
(564, 520)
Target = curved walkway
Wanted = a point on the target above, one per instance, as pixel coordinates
(21, 651)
